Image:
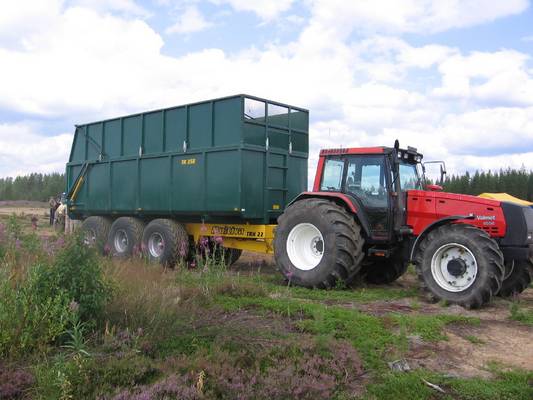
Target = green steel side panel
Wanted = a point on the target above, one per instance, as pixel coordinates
(253, 167)
(175, 129)
(155, 176)
(200, 126)
(300, 142)
(299, 120)
(153, 133)
(239, 156)
(223, 181)
(112, 138)
(98, 187)
(227, 127)
(132, 135)
(296, 176)
(187, 185)
(278, 139)
(94, 144)
(254, 134)
(124, 185)
(78, 146)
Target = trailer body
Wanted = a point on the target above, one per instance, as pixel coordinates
(234, 160)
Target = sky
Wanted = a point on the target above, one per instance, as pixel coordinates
(453, 78)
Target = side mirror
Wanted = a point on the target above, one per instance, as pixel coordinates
(434, 188)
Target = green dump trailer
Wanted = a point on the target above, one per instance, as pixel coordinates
(225, 167)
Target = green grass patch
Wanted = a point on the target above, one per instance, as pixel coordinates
(428, 327)
(511, 385)
(520, 314)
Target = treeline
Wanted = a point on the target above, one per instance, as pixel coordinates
(518, 183)
(34, 187)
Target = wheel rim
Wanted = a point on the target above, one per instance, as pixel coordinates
(89, 238)
(454, 267)
(156, 245)
(121, 241)
(305, 246)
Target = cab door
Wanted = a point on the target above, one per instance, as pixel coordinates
(368, 181)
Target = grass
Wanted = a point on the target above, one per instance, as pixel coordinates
(521, 314)
(216, 333)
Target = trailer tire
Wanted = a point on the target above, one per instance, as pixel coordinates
(518, 279)
(95, 231)
(384, 271)
(125, 237)
(317, 244)
(165, 241)
(460, 264)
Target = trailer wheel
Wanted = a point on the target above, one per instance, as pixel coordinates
(95, 231)
(519, 275)
(165, 241)
(125, 236)
(384, 271)
(460, 264)
(318, 243)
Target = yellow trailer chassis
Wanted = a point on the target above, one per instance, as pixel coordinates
(256, 238)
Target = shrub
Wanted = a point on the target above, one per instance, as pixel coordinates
(78, 271)
(30, 319)
(14, 383)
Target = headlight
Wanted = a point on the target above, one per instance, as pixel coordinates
(530, 237)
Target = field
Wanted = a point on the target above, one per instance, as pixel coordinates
(241, 332)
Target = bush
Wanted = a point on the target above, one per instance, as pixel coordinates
(30, 320)
(78, 271)
(36, 307)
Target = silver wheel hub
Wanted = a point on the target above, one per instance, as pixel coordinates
(156, 245)
(305, 246)
(454, 267)
(121, 241)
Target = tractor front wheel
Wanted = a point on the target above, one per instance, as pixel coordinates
(318, 243)
(460, 264)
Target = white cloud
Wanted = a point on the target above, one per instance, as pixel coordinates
(500, 78)
(90, 65)
(427, 16)
(23, 151)
(124, 6)
(190, 21)
(265, 9)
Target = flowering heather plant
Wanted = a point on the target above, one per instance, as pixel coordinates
(175, 387)
(14, 383)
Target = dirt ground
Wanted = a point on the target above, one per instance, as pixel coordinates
(469, 348)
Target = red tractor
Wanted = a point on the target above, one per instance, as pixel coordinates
(369, 214)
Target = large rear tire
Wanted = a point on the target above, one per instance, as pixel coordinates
(460, 264)
(165, 241)
(384, 271)
(317, 244)
(96, 231)
(519, 275)
(125, 237)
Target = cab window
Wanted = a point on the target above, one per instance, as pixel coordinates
(409, 178)
(332, 175)
(365, 179)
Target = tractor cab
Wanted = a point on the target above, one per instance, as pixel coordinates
(374, 179)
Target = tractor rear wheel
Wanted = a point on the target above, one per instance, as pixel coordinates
(318, 243)
(460, 264)
(165, 241)
(384, 271)
(518, 277)
(95, 231)
(125, 236)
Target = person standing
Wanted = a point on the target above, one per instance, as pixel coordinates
(53, 205)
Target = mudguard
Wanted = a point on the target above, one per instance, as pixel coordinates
(341, 199)
(434, 225)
